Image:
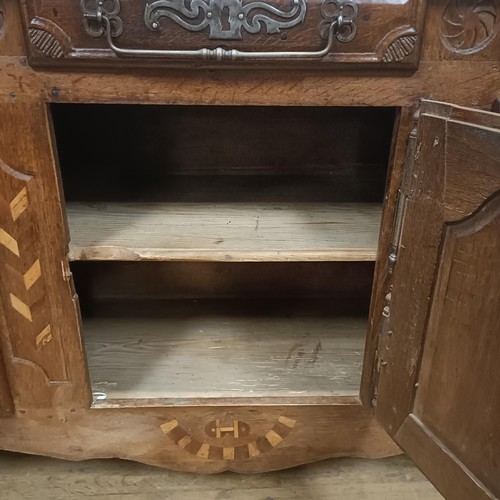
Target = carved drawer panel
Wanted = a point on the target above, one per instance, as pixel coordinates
(227, 33)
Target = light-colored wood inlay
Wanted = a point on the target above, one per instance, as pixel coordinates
(9, 242)
(253, 451)
(203, 451)
(44, 337)
(289, 422)
(168, 426)
(184, 441)
(218, 355)
(22, 308)
(19, 204)
(32, 275)
(221, 232)
(274, 438)
(228, 453)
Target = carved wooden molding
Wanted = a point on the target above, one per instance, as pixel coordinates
(400, 48)
(228, 438)
(48, 38)
(468, 26)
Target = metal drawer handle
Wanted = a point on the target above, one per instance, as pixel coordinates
(338, 22)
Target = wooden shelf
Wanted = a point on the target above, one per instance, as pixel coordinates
(240, 232)
(248, 350)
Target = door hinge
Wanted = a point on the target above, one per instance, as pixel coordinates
(404, 192)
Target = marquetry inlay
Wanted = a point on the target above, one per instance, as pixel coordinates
(23, 265)
(232, 434)
(19, 204)
(9, 242)
(21, 307)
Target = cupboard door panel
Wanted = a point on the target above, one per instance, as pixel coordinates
(39, 331)
(458, 397)
(439, 384)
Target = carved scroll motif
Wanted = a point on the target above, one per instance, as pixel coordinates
(225, 19)
(468, 26)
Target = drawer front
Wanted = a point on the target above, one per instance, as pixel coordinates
(225, 33)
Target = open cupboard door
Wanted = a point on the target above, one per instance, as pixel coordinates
(438, 393)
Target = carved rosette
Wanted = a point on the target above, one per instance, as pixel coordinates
(468, 26)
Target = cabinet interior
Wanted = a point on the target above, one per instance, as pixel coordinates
(223, 251)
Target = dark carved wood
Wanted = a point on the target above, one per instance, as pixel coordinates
(385, 32)
(468, 26)
(48, 38)
(400, 48)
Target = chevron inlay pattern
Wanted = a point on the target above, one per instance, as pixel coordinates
(32, 275)
(9, 242)
(21, 307)
(21, 302)
(19, 204)
(44, 337)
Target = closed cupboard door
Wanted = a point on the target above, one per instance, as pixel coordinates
(439, 383)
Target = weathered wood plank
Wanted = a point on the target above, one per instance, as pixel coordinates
(231, 231)
(284, 88)
(24, 476)
(246, 349)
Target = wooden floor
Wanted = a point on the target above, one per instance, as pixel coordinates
(31, 477)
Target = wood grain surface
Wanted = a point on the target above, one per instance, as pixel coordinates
(224, 232)
(180, 437)
(438, 391)
(239, 351)
(379, 26)
(24, 476)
